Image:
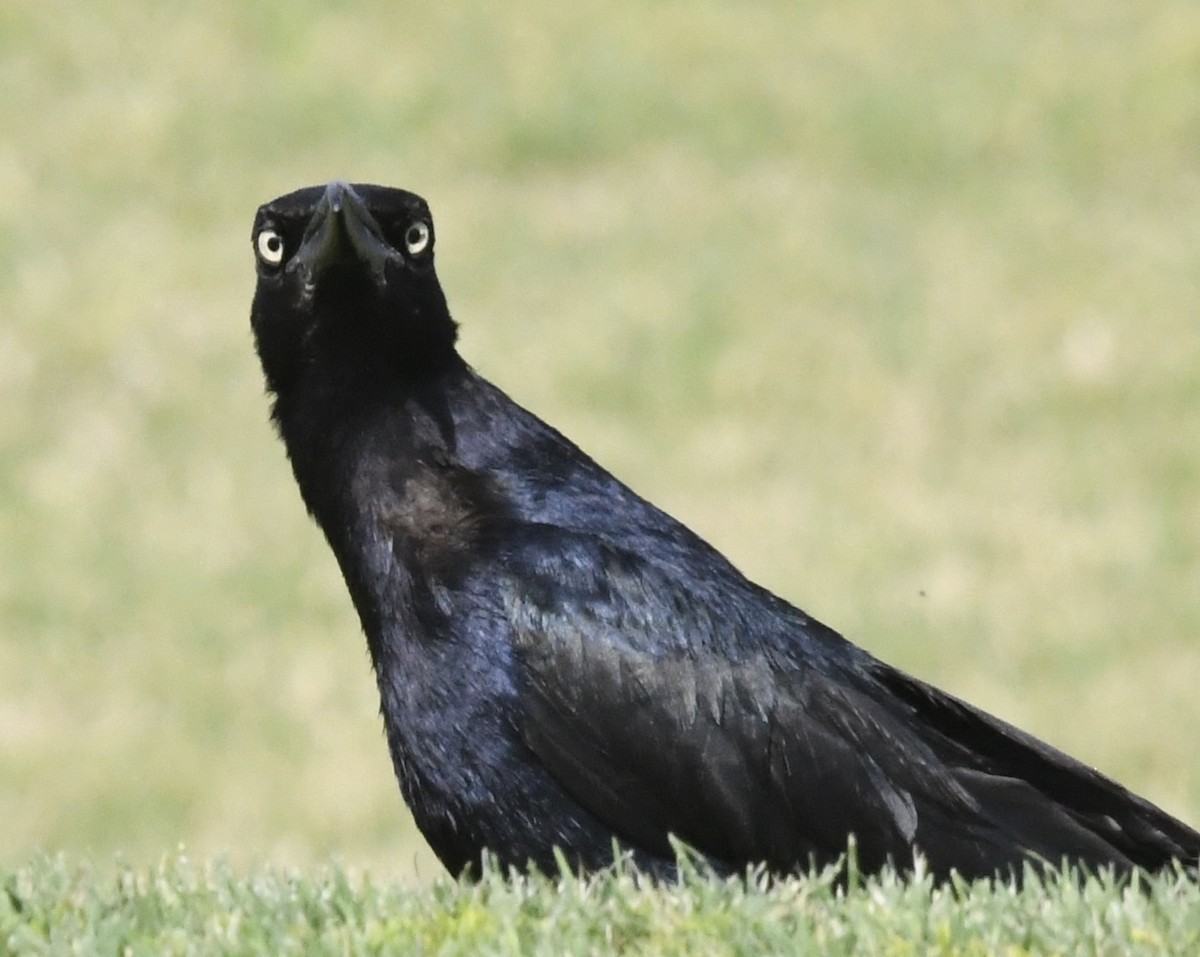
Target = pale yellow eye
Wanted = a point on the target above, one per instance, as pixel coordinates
(416, 239)
(270, 247)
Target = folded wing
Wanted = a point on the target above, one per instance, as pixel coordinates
(775, 747)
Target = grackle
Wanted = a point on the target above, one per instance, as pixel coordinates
(563, 665)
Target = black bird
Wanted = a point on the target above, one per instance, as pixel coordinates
(563, 665)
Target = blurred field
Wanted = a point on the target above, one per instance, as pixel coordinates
(899, 309)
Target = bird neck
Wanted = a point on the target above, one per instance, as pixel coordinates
(400, 509)
(332, 423)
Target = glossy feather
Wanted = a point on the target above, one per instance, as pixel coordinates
(562, 665)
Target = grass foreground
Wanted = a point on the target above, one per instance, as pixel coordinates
(181, 906)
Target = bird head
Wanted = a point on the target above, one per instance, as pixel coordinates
(346, 278)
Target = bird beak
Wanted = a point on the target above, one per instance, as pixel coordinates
(341, 228)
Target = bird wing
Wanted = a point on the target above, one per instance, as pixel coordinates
(750, 748)
(659, 723)
(728, 757)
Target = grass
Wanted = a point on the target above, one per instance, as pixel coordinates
(51, 906)
(899, 312)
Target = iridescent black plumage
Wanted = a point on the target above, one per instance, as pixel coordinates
(560, 663)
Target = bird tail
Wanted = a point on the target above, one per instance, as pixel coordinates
(1034, 797)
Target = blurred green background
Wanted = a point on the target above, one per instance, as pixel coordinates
(897, 306)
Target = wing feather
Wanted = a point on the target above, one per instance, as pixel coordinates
(775, 748)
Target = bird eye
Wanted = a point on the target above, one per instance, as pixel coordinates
(270, 247)
(416, 239)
